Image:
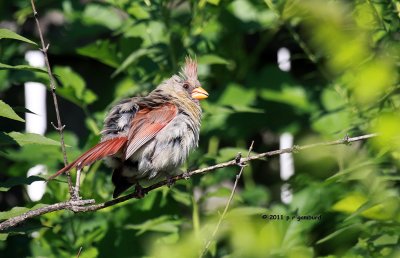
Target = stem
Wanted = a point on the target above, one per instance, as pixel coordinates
(60, 126)
(241, 164)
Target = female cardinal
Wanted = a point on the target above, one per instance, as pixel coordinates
(148, 137)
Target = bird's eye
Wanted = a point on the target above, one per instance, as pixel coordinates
(186, 85)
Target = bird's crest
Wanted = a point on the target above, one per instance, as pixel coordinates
(189, 70)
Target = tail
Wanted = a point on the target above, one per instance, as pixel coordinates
(101, 150)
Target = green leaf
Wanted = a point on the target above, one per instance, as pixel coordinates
(332, 100)
(8, 34)
(182, 197)
(32, 138)
(212, 59)
(3, 236)
(14, 181)
(214, 2)
(16, 211)
(236, 94)
(96, 14)
(8, 112)
(138, 11)
(89, 253)
(102, 51)
(339, 232)
(291, 95)
(246, 211)
(74, 87)
(386, 240)
(5, 139)
(22, 68)
(132, 58)
(333, 122)
(164, 224)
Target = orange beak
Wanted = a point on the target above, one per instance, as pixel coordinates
(199, 93)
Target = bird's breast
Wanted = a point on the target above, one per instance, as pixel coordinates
(169, 149)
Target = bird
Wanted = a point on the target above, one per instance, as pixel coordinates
(150, 137)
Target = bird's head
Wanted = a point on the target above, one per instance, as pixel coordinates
(186, 85)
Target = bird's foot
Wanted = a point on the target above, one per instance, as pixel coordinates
(186, 175)
(238, 160)
(170, 181)
(139, 191)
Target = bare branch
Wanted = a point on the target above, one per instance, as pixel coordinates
(78, 206)
(70, 205)
(60, 128)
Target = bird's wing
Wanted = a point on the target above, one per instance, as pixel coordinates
(99, 151)
(146, 124)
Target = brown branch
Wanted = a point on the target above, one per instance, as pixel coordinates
(78, 206)
(59, 127)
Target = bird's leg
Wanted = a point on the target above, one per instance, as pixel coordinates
(238, 160)
(186, 175)
(170, 181)
(77, 185)
(139, 191)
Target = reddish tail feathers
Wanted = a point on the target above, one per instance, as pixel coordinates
(101, 150)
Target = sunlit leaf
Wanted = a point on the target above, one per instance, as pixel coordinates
(237, 95)
(134, 56)
(386, 240)
(212, 59)
(95, 14)
(161, 224)
(101, 50)
(8, 34)
(22, 68)
(32, 138)
(74, 87)
(3, 236)
(8, 112)
(182, 197)
(16, 211)
(291, 95)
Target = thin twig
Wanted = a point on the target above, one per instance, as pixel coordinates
(72, 205)
(60, 127)
(221, 218)
(79, 252)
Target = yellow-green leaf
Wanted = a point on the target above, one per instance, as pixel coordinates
(8, 34)
(32, 138)
(8, 112)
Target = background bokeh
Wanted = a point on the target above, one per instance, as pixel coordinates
(343, 79)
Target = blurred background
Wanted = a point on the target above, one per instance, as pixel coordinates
(279, 72)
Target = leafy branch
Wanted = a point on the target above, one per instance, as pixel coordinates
(78, 206)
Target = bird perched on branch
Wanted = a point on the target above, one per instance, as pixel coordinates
(148, 137)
